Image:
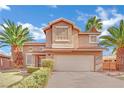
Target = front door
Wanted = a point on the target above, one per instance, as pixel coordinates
(38, 59)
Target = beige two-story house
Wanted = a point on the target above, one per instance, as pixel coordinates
(68, 46)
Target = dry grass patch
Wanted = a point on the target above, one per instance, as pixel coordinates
(9, 78)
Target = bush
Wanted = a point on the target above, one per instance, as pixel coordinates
(35, 80)
(32, 69)
(48, 63)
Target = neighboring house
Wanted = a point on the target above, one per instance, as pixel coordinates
(5, 62)
(72, 49)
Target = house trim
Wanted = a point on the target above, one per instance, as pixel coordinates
(71, 50)
(90, 33)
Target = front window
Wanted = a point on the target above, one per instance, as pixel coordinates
(93, 39)
(30, 60)
(61, 32)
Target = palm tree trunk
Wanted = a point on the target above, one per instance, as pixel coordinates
(13, 48)
(120, 58)
(17, 57)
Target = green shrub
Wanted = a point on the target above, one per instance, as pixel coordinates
(36, 79)
(32, 69)
(48, 63)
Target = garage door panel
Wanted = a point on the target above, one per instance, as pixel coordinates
(74, 63)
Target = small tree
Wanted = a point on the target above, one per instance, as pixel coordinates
(48, 63)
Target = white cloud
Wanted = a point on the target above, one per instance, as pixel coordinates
(112, 18)
(5, 53)
(114, 10)
(36, 32)
(102, 13)
(82, 16)
(53, 6)
(4, 7)
(51, 15)
(43, 25)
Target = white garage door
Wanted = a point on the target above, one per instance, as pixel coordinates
(74, 63)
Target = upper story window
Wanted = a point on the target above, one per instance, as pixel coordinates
(61, 33)
(93, 39)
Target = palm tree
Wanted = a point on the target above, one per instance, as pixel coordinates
(115, 39)
(14, 36)
(93, 22)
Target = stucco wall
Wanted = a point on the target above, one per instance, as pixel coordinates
(75, 38)
(27, 48)
(48, 38)
(84, 40)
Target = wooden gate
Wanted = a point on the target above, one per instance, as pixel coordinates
(120, 65)
(111, 66)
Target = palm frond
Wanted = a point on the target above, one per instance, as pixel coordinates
(93, 22)
(13, 34)
(105, 43)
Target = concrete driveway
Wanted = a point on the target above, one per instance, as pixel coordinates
(83, 80)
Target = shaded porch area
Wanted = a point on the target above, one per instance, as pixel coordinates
(38, 58)
(34, 59)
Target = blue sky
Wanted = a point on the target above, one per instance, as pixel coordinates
(36, 17)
